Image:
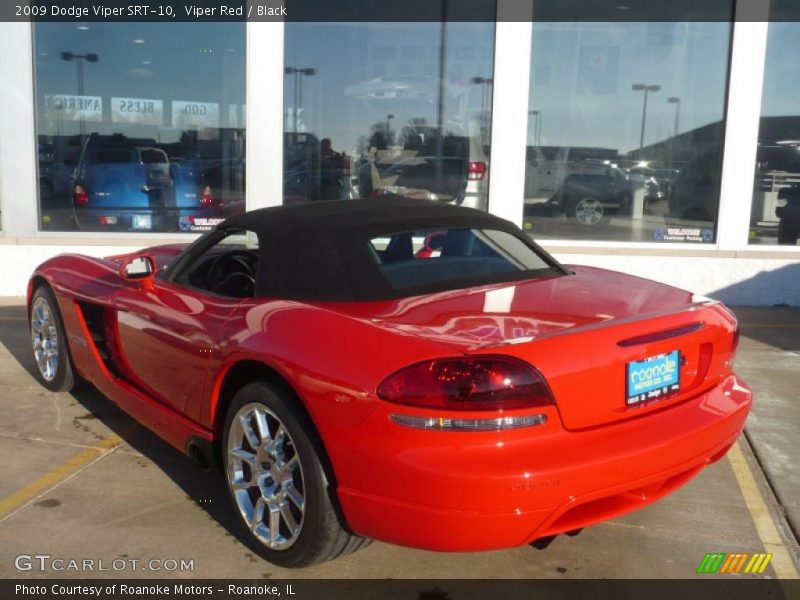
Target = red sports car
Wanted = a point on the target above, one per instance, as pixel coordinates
(352, 388)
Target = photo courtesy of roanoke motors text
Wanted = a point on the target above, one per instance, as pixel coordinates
(431, 300)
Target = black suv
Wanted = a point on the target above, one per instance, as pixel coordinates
(590, 198)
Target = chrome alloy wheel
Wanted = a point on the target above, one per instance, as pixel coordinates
(589, 211)
(44, 338)
(265, 476)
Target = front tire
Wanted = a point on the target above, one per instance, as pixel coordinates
(50, 351)
(588, 211)
(277, 482)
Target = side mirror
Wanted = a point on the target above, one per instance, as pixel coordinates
(140, 268)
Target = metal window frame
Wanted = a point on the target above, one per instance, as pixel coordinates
(19, 169)
(743, 113)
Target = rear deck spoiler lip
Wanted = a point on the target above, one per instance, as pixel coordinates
(688, 308)
(664, 334)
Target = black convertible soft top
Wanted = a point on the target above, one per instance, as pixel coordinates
(320, 251)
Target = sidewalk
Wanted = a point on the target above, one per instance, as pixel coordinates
(769, 361)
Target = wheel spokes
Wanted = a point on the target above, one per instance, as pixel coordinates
(265, 476)
(249, 432)
(44, 339)
(274, 523)
(293, 494)
(291, 523)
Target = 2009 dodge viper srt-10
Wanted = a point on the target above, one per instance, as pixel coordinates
(398, 370)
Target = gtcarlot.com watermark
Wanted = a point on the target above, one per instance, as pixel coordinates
(48, 563)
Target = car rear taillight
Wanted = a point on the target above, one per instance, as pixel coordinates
(207, 198)
(476, 171)
(467, 383)
(80, 196)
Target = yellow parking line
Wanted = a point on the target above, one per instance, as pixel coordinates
(782, 562)
(13, 319)
(41, 485)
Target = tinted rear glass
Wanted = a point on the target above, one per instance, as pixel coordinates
(104, 155)
(153, 157)
(415, 260)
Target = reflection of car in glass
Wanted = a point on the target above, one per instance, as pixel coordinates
(356, 390)
(789, 215)
(458, 176)
(312, 172)
(694, 190)
(422, 177)
(590, 198)
(53, 180)
(653, 191)
(129, 184)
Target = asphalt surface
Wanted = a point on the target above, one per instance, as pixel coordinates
(81, 480)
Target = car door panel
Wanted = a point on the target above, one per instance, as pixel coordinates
(166, 336)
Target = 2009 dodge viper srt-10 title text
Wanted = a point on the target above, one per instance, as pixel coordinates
(400, 370)
(151, 11)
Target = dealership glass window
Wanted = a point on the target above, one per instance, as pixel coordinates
(775, 214)
(378, 110)
(625, 129)
(140, 126)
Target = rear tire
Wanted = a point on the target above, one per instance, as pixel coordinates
(277, 483)
(50, 351)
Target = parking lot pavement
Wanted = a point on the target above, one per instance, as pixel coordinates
(770, 363)
(83, 481)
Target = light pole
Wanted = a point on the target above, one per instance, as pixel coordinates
(388, 127)
(484, 82)
(638, 87)
(537, 126)
(298, 89)
(677, 102)
(79, 58)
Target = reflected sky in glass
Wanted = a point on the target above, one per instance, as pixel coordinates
(365, 72)
(194, 62)
(582, 77)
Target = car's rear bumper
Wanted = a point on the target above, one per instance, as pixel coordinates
(479, 491)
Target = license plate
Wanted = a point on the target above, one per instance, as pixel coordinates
(142, 222)
(653, 378)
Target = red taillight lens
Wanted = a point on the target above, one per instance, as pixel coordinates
(476, 171)
(208, 197)
(80, 196)
(469, 383)
(734, 344)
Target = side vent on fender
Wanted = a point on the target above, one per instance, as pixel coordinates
(95, 317)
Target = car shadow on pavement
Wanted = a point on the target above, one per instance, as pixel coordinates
(206, 488)
(767, 306)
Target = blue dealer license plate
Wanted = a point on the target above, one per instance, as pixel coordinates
(653, 378)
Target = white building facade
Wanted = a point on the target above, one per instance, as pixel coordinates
(665, 149)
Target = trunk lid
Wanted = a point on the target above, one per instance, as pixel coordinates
(581, 331)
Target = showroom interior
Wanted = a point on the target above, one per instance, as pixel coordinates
(666, 148)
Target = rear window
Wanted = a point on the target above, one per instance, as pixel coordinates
(112, 156)
(153, 157)
(445, 257)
